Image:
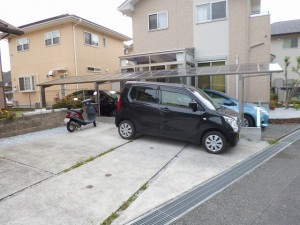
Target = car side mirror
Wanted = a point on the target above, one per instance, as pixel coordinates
(193, 105)
(228, 102)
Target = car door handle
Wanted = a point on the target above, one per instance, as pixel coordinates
(165, 109)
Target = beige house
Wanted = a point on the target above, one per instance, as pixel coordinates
(173, 34)
(66, 45)
(285, 42)
(5, 30)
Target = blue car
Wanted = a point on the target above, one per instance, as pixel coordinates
(250, 114)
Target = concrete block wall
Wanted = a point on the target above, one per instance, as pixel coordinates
(31, 123)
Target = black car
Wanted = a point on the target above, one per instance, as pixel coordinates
(108, 100)
(175, 111)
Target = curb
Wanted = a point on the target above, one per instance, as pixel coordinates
(284, 121)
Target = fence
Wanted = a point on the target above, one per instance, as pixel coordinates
(34, 121)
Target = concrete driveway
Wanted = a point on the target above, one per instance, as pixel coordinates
(36, 190)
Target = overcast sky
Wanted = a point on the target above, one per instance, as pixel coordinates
(105, 13)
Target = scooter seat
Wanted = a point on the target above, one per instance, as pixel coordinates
(77, 110)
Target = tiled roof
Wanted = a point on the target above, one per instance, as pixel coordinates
(45, 20)
(74, 18)
(285, 27)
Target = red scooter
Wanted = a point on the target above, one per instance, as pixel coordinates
(74, 117)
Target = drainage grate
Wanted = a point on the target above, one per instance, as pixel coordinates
(179, 206)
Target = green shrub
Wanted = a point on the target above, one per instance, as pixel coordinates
(6, 114)
(67, 102)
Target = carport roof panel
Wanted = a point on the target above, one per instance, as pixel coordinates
(256, 69)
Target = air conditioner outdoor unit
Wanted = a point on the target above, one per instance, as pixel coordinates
(37, 104)
(50, 73)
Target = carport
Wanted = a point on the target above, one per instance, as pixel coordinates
(242, 70)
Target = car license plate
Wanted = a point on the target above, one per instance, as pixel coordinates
(66, 120)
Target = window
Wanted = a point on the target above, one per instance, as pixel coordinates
(215, 82)
(211, 11)
(175, 99)
(93, 69)
(145, 94)
(27, 83)
(290, 43)
(158, 21)
(104, 41)
(52, 38)
(91, 39)
(22, 44)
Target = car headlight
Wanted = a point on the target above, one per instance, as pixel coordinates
(263, 111)
(233, 122)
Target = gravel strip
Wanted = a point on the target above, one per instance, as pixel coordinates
(31, 136)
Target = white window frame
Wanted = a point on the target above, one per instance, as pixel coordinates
(93, 69)
(158, 25)
(51, 36)
(93, 36)
(23, 42)
(287, 43)
(208, 17)
(28, 84)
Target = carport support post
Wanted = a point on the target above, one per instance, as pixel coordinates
(241, 97)
(43, 96)
(98, 97)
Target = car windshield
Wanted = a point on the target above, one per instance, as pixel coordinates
(204, 98)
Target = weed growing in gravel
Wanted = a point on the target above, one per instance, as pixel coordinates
(124, 206)
(273, 141)
(78, 164)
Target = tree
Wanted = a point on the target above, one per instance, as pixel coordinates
(296, 83)
(286, 63)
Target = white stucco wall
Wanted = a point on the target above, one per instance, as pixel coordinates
(280, 53)
(210, 38)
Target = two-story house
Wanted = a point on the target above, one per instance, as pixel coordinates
(66, 45)
(5, 30)
(174, 34)
(284, 43)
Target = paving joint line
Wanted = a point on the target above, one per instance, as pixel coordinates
(51, 175)
(25, 188)
(26, 165)
(158, 174)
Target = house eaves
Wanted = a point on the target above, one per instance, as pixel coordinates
(127, 7)
(291, 27)
(69, 18)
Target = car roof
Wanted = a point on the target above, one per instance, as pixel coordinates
(159, 84)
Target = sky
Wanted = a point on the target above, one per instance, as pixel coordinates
(104, 13)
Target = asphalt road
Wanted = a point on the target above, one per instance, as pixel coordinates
(268, 195)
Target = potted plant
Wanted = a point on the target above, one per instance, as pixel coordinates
(272, 104)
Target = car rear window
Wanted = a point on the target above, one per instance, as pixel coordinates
(145, 94)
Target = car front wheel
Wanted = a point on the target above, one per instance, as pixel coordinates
(126, 129)
(248, 121)
(214, 142)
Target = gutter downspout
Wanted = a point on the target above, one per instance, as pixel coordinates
(75, 50)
